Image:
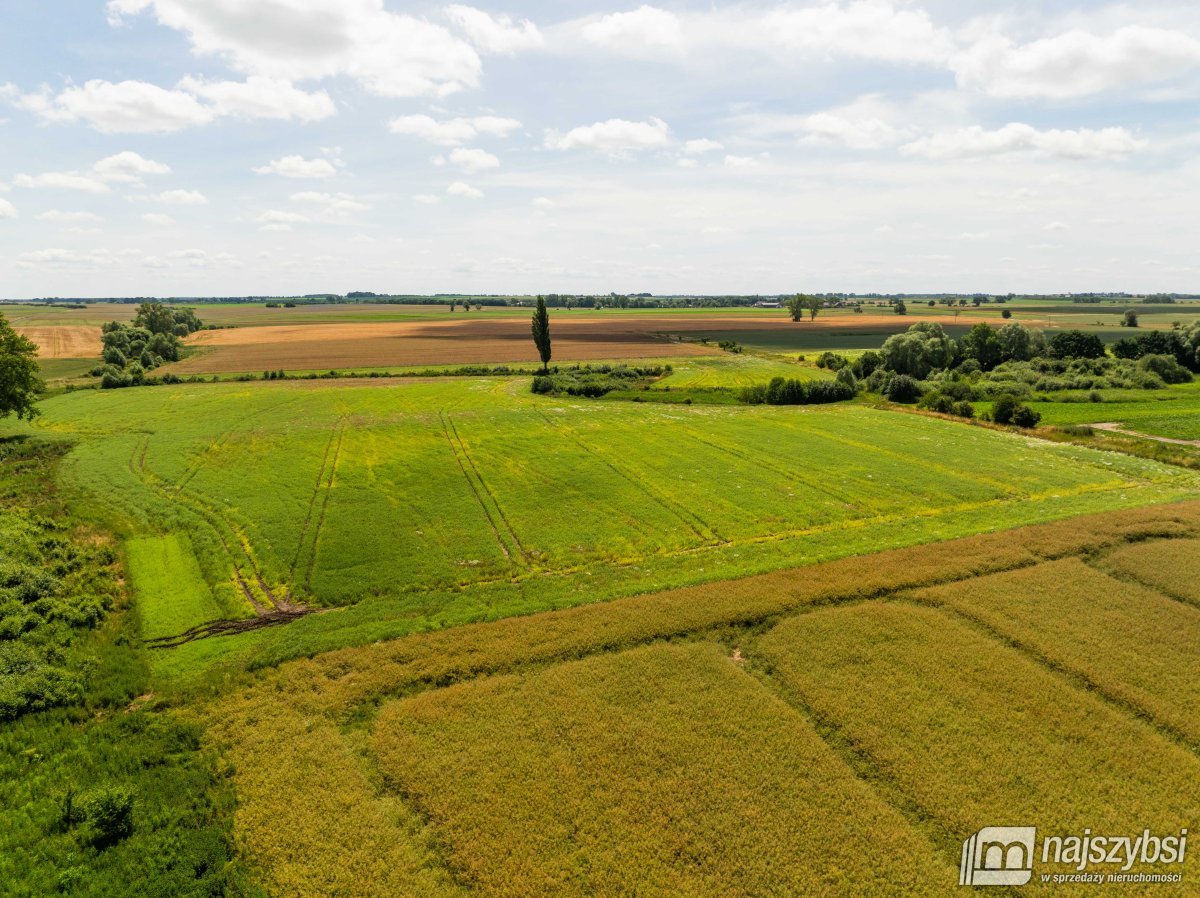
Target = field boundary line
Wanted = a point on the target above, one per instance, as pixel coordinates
(1096, 562)
(688, 518)
(1077, 679)
(455, 450)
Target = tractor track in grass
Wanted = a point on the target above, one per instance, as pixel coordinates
(689, 519)
(337, 454)
(266, 603)
(335, 434)
(476, 482)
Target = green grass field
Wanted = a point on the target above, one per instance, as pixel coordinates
(1174, 412)
(430, 503)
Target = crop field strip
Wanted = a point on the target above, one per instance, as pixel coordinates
(439, 496)
(309, 698)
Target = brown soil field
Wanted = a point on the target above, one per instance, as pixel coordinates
(481, 339)
(64, 342)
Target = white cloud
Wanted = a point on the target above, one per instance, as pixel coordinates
(462, 189)
(182, 198)
(1085, 143)
(615, 136)
(1076, 63)
(703, 145)
(7, 209)
(1056, 226)
(63, 180)
(452, 131)
(645, 30)
(69, 218)
(739, 162)
(261, 98)
(158, 219)
(299, 167)
(58, 258)
(128, 167)
(331, 203)
(860, 29)
(277, 216)
(494, 34)
(390, 54)
(472, 161)
(543, 202)
(427, 199)
(127, 107)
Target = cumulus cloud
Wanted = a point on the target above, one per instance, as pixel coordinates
(63, 180)
(298, 167)
(261, 98)
(426, 199)
(645, 30)
(7, 209)
(615, 136)
(59, 258)
(128, 167)
(55, 216)
(860, 29)
(278, 216)
(494, 34)
(158, 219)
(462, 189)
(1076, 63)
(451, 132)
(138, 107)
(331, 203)
(472, 161)
(1084, 143)
(182, 198)
(390, 54)
(702, 145)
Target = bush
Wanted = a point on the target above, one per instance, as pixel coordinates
(832, 361)
(1076, 344)
(797, 392)
(866, 364)
(1167, 368)
(903, 388)
(846, 377)
(107, 813)
(1010, 410)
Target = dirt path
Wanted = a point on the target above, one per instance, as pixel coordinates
(1117, 428)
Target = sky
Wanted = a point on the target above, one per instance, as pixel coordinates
(274, 147)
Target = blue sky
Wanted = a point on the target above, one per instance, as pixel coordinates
(218, 147)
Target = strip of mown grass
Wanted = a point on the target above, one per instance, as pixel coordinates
(661, 771)
(973, 733)
(1127, 641)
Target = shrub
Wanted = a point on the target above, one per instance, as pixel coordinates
(846, 377)
(903, 388)
(1076, 344)
(1010, 410)
(797, 392)
(866, 364)
(107, 813)
(1167, 368)
(832, 361)
(1024, 416)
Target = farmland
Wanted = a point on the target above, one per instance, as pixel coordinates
(415, 502)
(561, 742)
(480, 641)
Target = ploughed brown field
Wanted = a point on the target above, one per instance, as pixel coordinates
(64, 341)
(480, 339)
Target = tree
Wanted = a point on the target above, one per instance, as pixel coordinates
(541, 333)
(900, 308)
(1076, 344)
(1006, 314)
(922, 349)
(983, 345)
(1019, 343)
(19, 380)
(1130, 318)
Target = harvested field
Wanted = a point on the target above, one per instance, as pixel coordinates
(65, 341)
(487, 337)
